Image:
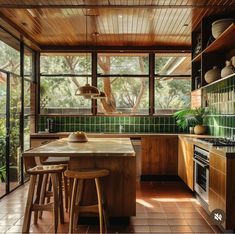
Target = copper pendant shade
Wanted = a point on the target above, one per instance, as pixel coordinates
(87, 91)
(102, 95)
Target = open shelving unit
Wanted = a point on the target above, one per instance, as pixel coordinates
(214, 54)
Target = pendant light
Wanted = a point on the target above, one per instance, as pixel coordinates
(87, 91)
(102, 94)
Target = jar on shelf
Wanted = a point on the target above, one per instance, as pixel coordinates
(212, 75)
(228, 69)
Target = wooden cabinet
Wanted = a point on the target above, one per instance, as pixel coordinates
(221, 187)
(159, 155)
(185, 161)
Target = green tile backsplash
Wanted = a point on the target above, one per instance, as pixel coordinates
(220, 99)
(109, 124)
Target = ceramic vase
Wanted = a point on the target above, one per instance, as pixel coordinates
(212, 75)
(228, 69)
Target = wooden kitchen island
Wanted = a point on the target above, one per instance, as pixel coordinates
(114, 154)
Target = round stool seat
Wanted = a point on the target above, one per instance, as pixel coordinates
(46, 169)
(87, 173)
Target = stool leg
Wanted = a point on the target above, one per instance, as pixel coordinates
(61, 205)
(29, 204)
(97, 183)
(49, 185)
(43, 193)
(77, 203)
(39, 186)
(54, 181)
(66, 192)
(72, 205)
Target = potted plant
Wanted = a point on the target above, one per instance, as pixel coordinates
(189, 117)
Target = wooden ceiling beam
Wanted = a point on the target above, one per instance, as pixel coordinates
(91, 6)
(182, 49)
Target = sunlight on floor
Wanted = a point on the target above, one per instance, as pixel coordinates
(144, 203)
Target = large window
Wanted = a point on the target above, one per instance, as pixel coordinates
(172, 82)
(61, 76)
(124, 79)
(10, 53)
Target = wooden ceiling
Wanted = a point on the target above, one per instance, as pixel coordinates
(137, 23)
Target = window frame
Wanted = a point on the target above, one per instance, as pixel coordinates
(95, 76)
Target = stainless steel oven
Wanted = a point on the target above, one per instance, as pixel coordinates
(201, 172)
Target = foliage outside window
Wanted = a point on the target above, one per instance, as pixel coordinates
(58, 96)
(172, 82)
(10, 54)
(28, 64)
(127, 94)
(58, 83)
(131, 95)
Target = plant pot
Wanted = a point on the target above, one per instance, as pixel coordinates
(199, 129)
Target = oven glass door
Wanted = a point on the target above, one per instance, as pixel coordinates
(201, 176)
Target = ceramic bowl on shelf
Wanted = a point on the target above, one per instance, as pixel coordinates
(77, 137)
(219, 26)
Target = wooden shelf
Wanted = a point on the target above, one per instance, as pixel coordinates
(219, 80)
(197, 58)
(224, 42)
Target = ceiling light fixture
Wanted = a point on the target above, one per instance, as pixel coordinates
(87, 91)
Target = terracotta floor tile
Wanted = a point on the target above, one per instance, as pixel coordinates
(174, 216)
(161, 207)
(181, 229)
(176, 222)
(201, 228)
(139, 221)
(142, 229)
(196, 221)
(160, 229)
(154, 222)
(157, 215)
(191, 215)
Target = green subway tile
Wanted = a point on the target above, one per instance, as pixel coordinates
(132, 128)
(132, 120)
(141, 120)
(146, 120)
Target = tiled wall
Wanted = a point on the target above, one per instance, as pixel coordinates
(109, 124)
(220, 98)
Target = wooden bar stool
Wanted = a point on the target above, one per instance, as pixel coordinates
(75, 206)
(32, 203)
(46, 185)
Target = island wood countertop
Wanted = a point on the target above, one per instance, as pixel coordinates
(93, 148)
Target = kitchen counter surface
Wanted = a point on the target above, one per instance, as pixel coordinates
(94, 147)
(226, 151)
